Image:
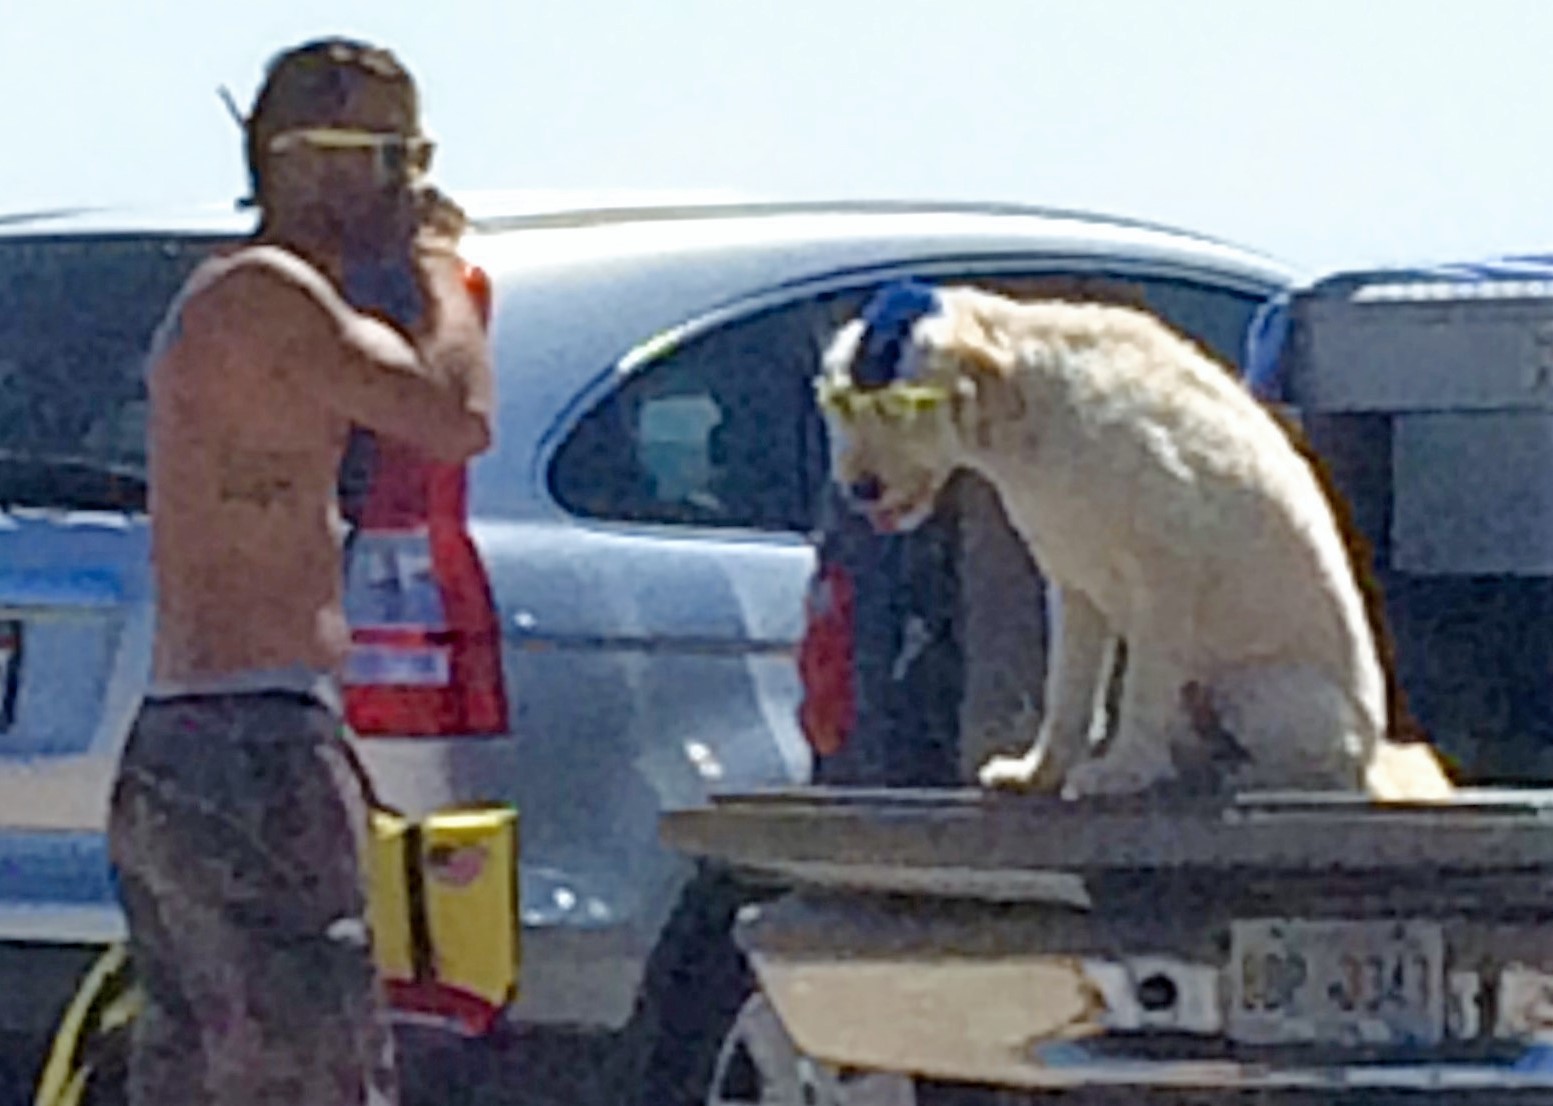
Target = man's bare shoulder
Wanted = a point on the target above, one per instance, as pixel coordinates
(269, 272)
(254, 306)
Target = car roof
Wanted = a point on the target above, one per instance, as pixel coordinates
(234, 219)
(502, 211)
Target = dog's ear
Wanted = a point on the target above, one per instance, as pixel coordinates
(985, 393)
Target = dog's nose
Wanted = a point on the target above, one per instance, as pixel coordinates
(866, 490)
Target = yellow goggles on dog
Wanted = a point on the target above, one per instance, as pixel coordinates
(896, 402)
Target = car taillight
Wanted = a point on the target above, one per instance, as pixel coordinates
(828, 711)
(425, 656)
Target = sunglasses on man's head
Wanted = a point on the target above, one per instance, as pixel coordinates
(395, 157)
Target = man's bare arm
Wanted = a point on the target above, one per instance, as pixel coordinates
(272, 305)
(454, 342)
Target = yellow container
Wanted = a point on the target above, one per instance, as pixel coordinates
(388, 899)
(444, 912)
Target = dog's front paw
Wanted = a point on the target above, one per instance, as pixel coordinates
(1031, 772)
(1113, 775)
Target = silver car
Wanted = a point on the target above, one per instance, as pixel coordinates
(643, 527)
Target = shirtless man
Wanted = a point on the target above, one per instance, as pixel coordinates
(236, 821)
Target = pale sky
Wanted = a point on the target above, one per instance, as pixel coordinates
(1329, 133)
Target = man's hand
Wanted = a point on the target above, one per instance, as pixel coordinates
(440, 222)
(452, 338)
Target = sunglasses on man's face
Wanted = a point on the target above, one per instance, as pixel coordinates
(395, 157)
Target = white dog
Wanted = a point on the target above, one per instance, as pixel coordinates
(1166, 508)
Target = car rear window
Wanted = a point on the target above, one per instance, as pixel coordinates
(76, 318)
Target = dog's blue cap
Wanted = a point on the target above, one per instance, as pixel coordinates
(887, 321)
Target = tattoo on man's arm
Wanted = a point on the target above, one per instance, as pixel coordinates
(256, 480)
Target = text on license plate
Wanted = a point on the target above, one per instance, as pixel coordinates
(1338, 982)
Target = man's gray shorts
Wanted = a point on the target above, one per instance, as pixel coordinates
(236, 830)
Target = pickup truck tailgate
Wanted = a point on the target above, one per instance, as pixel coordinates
(1269, 943)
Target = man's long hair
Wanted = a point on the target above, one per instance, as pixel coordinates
(309, 85)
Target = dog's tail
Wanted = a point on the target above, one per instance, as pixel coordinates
(1406, 772)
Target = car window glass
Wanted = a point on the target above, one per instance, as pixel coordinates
(1216, 317)
(676, 437)
(713, 434)
(77, 320)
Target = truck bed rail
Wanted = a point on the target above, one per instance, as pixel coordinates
(971, 844)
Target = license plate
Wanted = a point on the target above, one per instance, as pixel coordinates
(1336, 982)
(10, 670)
